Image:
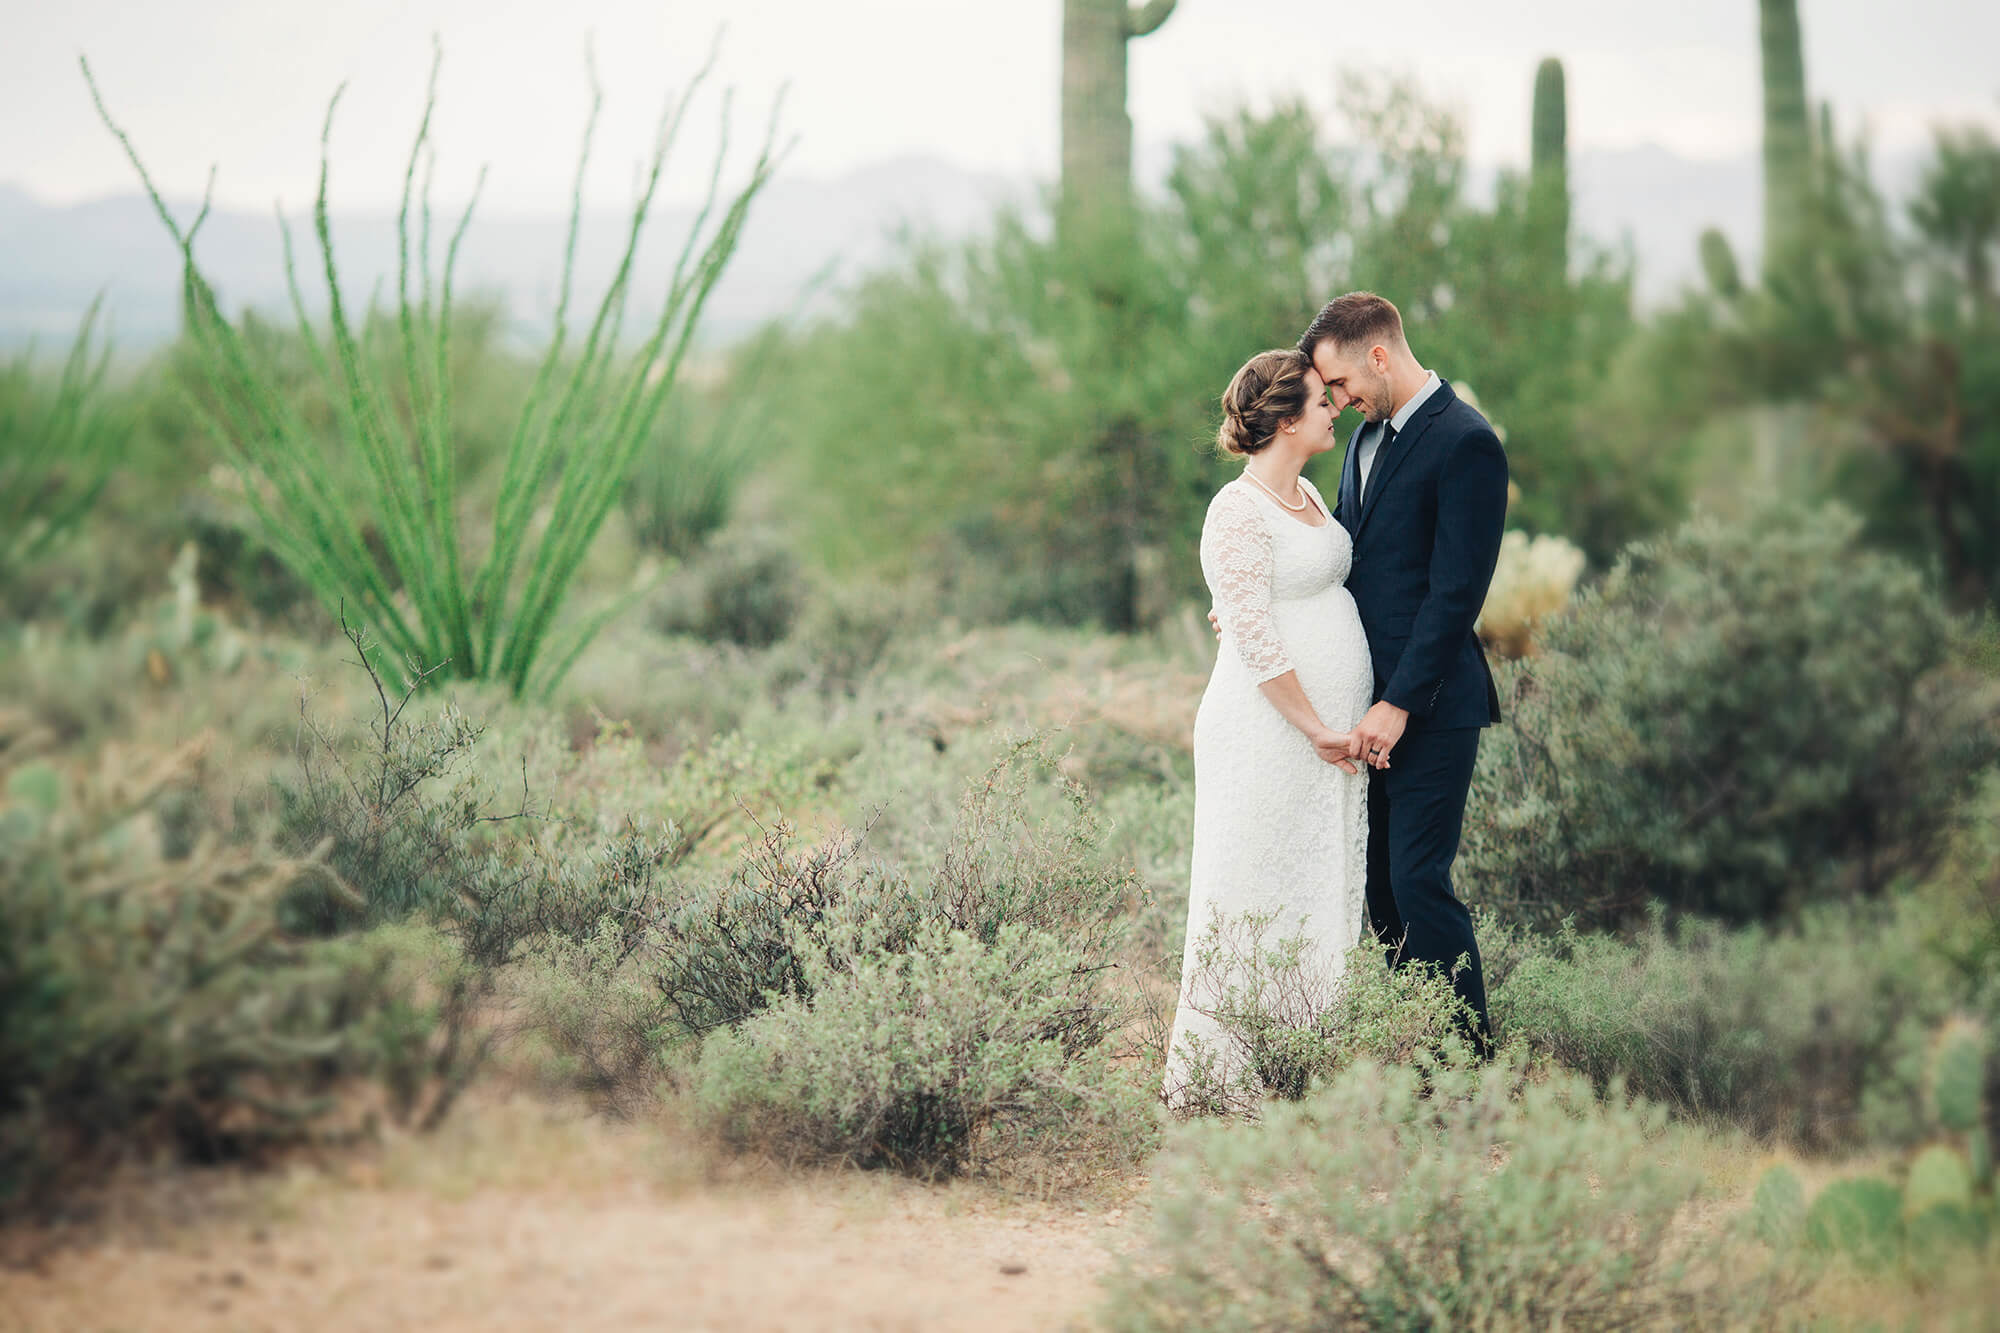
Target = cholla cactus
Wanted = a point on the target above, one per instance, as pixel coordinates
(1532, 582)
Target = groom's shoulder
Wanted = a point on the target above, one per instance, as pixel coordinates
(1460, 418)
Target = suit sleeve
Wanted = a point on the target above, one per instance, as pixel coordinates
(1471, 513)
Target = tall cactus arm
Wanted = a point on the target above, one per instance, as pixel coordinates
(1550, 119)
(1142, 20)
(1787, 123)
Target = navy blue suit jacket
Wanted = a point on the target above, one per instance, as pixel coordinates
(1425, 543)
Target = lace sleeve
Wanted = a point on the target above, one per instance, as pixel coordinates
(1236, 560)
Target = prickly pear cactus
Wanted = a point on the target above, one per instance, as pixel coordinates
(1778, 1211)
(1860, 1218)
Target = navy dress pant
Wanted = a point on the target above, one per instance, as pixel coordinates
(1415, 812)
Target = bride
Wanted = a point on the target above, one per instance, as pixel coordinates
(1280, 815)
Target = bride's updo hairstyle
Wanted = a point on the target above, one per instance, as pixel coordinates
(1267, 392)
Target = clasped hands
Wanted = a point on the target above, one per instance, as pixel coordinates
(1371, 741)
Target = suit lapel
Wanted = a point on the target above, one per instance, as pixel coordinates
(1387, 460)
(1345, 505)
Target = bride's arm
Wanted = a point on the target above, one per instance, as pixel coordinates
(1289, 698)
(1236, 551)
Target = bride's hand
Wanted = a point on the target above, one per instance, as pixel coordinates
(1338, 749)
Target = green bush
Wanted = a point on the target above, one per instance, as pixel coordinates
(1816, 1033)
(1442, 1197)
(746, 592)
(150, 1001)
(1294, 1020)
(1737, 719)
(926, 1057)
(720, 955)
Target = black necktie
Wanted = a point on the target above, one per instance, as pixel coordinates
(1388, 438)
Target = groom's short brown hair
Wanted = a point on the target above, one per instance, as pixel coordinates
(1356, 320)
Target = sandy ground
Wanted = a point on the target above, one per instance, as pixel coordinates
(519, 1216)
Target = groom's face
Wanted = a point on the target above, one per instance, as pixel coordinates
(1357, 378)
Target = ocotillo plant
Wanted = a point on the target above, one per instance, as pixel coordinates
(56, 449)
(1096, 128)
(1787, 127)
(1548, 178)
(570, 451)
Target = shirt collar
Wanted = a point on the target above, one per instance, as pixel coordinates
(1409, 409)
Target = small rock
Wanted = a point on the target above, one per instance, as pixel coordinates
(438, 1261)
(1013, 1268)
(234, 1279)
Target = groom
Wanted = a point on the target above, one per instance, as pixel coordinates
(1423, 493)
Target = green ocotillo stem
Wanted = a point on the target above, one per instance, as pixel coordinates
(1787, 126)
(1096, 129)
(1549, 164)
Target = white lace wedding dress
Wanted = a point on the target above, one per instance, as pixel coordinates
(1277, 830)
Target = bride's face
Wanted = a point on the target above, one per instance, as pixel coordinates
(1315, 425)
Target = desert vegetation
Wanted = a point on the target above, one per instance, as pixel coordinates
(390, 711)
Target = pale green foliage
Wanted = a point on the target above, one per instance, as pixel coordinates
(1295, 1019)
(1446, 1197)
(720, 954)
(150, 999)
(922, 1057)
(1817, 1032)
(602, 1021)
(581, 426)
(1738, 717)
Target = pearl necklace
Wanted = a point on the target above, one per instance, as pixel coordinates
(1298, 508)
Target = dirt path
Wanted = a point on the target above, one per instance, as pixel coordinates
(517, 1218)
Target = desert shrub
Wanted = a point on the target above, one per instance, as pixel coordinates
(600, 1021)
(746, 592)
(926, 1057)
(150, 1000)
(1294, 1019)
(400, 813)
(1438, 1197)
(1814, 1032)
(846, 630)
(1735, 719)
(719, 955)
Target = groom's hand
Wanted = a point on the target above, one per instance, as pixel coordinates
(1377, 733)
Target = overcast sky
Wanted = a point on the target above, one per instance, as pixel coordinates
(244, 83)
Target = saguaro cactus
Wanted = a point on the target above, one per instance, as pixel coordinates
(1096, 129)
(1787, 127)
(1548, 177)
